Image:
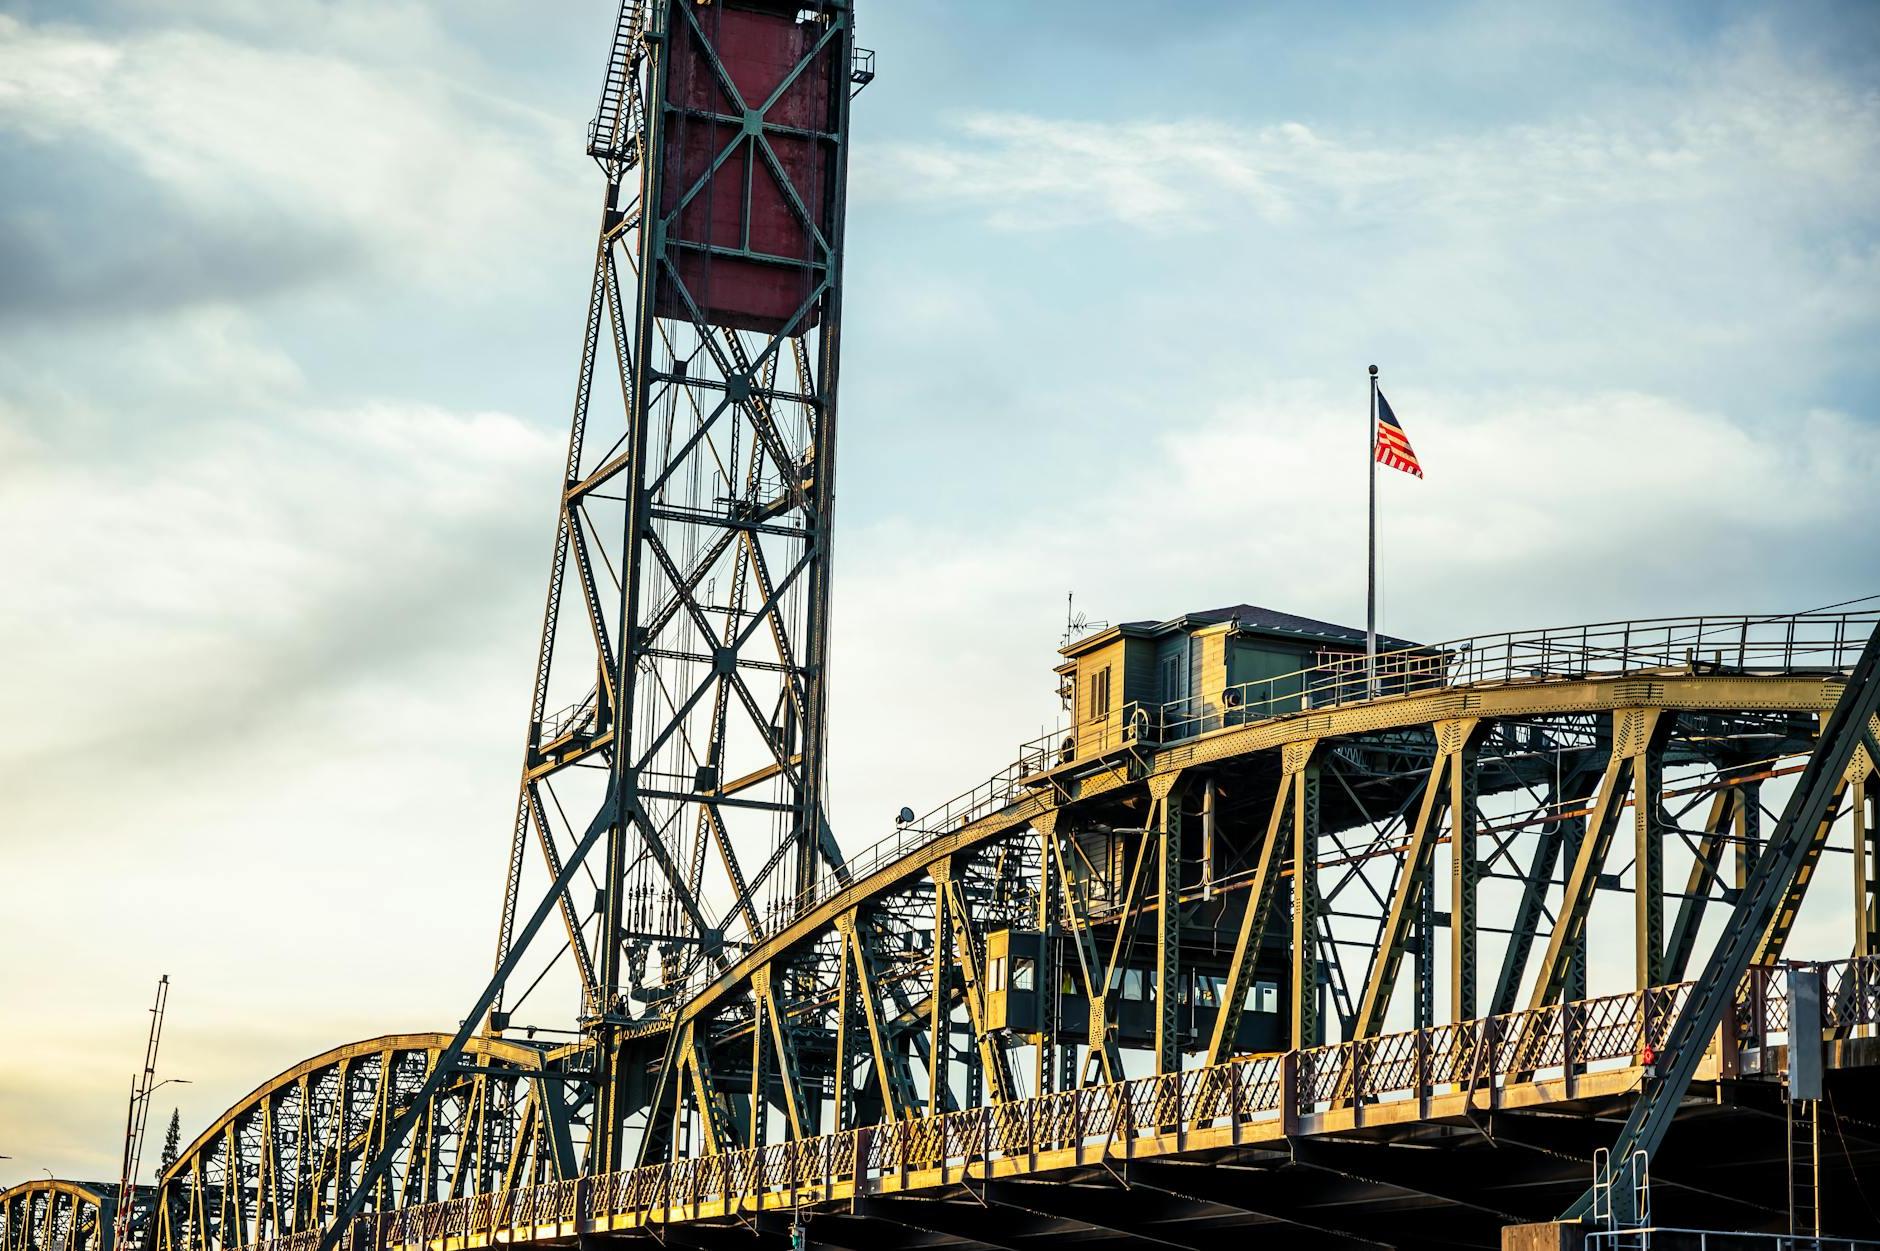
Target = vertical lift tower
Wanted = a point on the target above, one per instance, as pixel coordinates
(680, 702)
(679, 706)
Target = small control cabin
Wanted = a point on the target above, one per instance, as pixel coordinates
(1162, 680)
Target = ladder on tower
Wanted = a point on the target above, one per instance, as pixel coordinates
(617, 119)
(1804, 1121)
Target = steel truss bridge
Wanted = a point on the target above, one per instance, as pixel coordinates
(803, 1091)
(1352, 957)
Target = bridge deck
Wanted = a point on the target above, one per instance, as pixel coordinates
(1546, 1081)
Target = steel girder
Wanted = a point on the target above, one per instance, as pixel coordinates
(48, 1214)
(1404, 1152)
(1864, 792)
(880, 1009)
(1761, 915)
(1364, 810)
(1165, 796)
(1445, 788)
(1274, 857)
(1634, 764)
(1857, 774)
(289, 1156)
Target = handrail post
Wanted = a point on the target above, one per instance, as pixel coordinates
(1289, 1068)
(1360, 1069)
(1569, 1039)
(1491, 1051)
(1420, 1051)
(1729, 1058)
(1233, 1073)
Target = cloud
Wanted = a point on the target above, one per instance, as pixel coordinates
(246, 563)
(272, 668)
(1705, 235)
(1540, 509)
(220, 168)
(1749, 123)
(66, 253)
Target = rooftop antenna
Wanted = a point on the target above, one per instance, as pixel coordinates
(138, 1116)
(1076, 624)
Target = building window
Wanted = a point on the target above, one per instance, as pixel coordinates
(1174, 669)
(1024, 973)
(1100, 694)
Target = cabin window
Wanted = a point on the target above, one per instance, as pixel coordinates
(1099, 694)
(1024, 973)
(1261, 997)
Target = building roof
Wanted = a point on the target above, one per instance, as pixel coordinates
(1271, 620)
(1250, 618)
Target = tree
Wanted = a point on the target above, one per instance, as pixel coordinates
(172, 1143)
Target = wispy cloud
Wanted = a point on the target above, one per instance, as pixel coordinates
(1540, 508)
(1749, 124)
(234, 568)
(254, 166)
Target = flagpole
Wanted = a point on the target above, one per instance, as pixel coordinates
(1370, 563)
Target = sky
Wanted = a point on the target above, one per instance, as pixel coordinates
(290, 301)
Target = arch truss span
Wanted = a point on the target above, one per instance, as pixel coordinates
(1437, 856)
(288, 1156)
(50, 1214)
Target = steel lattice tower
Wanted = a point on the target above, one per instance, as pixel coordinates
(680, 688)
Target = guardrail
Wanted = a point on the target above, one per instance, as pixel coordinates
(1680, 1239)
(1803, 642)
(1556, 1045)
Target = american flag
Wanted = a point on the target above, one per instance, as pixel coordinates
(1393, 445)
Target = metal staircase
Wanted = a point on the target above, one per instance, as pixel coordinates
(616, 124)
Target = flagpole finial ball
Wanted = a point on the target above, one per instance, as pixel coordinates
(1374, 371)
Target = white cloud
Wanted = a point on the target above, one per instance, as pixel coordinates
(185, 579)
(431, 179)
(1748, 125)
(1540, 509)
(265, 680)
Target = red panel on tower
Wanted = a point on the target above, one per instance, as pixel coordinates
(741, 202)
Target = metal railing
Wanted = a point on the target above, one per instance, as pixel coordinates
(1803, 642)
(1680, 1239)
(575, 716)
(1556, 1045)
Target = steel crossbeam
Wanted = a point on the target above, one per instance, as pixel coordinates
(1768, 899)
